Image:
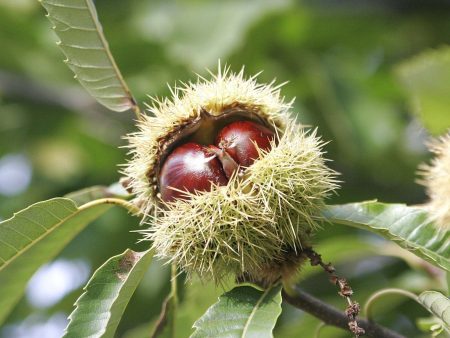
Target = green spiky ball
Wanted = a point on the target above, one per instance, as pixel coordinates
(253, 223)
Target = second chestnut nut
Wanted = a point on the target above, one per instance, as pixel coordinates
(192, 167)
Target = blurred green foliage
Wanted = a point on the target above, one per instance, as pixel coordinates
(341, 60)
(426, 78)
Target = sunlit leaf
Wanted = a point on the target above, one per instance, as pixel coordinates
(408, 226)
(438, 305)
(88, 55)
(32, 237)
(242, 312)
(426, 79)
(431, 325)
(99, 309)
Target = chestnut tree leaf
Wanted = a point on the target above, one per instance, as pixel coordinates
(426, 79)
(407, 226)
(438, 305)
(82, 41)
(99, 309)
(197, 298)
(34, 236)
(242, 312)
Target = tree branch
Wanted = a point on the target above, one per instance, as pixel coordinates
(332, 316)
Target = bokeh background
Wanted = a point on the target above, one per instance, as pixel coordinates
(342, 61)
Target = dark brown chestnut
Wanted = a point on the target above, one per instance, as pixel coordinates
(238, 139)
(189, 167)
(193, 167)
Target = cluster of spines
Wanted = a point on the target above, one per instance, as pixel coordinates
(188, 102)
(436, 178)
(250, 223)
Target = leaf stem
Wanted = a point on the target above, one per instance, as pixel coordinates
(384, 292)
(116, 201)
(173, 282)
(136, 109)
(319, 329)
(174, 293)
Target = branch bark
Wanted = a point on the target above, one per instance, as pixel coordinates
(332, 316)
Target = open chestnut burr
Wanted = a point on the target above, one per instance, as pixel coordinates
(228, 180)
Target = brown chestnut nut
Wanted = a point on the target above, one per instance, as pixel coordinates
(189, 167)
(238, 139)
(192, 167)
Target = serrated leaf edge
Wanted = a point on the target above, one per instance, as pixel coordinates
(129, 101)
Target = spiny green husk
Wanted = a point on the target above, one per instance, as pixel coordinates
(246, 225)
(436, 178)
(252, 224)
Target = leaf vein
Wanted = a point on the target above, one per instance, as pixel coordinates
(85, 66)
(80, 47)
(71, 26)
(55, 226)
(18, 232)
(54, 4)
(8, 244)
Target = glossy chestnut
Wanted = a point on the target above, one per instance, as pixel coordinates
(238, 139)
(190, 167)
(193, 167)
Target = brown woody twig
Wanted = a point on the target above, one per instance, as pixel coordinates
(331, 316)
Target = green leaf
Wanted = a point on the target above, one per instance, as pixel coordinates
(448, 282)
(86, 195)
(198, 297)
(408, 226)
(438, 305)
(88, 55)
(99, 309)
(426, 79)
(32, 237)
(431, 325)
(242, 312)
